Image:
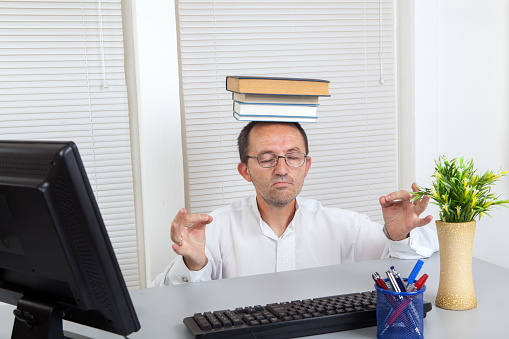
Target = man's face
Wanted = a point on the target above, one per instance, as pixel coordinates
(280, 184)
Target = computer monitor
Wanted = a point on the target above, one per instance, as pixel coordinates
(56, 259)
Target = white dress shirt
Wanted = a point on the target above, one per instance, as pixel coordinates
(240, 243)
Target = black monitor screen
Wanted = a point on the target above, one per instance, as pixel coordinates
(56, 259)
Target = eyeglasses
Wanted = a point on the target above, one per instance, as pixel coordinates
(292, 159)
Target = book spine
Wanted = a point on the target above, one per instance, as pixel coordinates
(243, 117)
(276, 104)
(275, 109)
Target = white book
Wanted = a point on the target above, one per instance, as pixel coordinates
(275, 99)
(240, 117)
(263, 109)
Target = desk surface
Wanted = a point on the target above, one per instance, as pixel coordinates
(162, 309)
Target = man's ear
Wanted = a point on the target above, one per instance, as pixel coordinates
(244, 171)
(308, 165)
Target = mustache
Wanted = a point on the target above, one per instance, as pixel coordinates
(281, 178)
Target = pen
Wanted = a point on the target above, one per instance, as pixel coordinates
(398, 311)
(419, 284)
(398, 279)
(389, 285)
(415, 271)
(378, 280)
(392, 280)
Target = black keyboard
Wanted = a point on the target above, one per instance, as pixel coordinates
(292, 319)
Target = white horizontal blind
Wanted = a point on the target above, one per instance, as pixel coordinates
(351, 43)
(62, 78)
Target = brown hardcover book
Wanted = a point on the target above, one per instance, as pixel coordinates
(278, 86)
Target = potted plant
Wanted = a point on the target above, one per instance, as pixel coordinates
(463, 195)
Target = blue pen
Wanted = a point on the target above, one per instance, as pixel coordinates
(415, 271)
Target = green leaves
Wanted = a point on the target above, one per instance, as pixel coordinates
(460, 192)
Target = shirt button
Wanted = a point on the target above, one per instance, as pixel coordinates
(184, 279)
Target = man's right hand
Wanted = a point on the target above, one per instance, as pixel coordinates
(188, 234)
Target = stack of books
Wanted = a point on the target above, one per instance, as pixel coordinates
(276, 99)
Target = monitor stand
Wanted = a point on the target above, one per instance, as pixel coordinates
(36, 318)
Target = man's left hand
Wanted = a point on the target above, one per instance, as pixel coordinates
(401, 214)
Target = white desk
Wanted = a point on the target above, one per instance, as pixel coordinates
(161, 310)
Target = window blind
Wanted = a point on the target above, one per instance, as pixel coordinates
(62, 78)
(353, 145)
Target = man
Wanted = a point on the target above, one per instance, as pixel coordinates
(277, 231)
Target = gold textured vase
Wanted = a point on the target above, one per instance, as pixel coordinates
(456, 285)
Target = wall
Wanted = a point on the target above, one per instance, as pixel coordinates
(154, 100)
(461, 101)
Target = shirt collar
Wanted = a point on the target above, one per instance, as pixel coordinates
(266, 230)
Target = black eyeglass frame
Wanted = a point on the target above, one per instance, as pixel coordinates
(277, 157)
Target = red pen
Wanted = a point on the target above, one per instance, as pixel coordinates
(422, 280)
(398, 311)
(418, 284)
(378, 280)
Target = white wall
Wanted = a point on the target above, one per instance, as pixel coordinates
(153, 81)
(461, 101)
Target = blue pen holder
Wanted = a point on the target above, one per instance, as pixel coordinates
(399, 314)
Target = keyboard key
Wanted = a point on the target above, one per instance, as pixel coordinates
(273, 320)
(225, 322)
(212, 320)
(253, 323)
(202, 322)
(236, 321)
(259, 316)
(247, 318)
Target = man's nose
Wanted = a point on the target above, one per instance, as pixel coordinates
(281, 166)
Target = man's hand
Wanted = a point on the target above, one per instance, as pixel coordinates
(188, 234)
(401, 214)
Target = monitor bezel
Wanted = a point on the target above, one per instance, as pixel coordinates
(46, 184)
